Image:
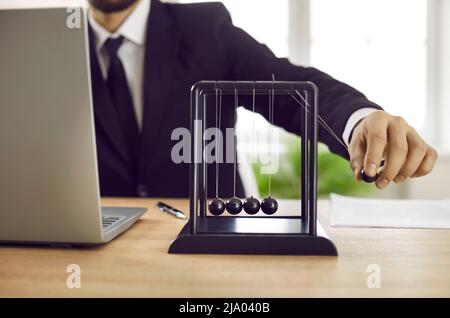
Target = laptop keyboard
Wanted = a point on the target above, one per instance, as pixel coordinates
(108, 221)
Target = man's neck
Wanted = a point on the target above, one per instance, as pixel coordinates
(111, 21)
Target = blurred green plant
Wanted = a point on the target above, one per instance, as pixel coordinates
(333, 174)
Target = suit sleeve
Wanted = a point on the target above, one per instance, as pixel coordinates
(246, 59)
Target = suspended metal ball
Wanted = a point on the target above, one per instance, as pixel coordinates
(269, 205)
(251, 205)
(367, 178)
(234, 206)
(216, 206)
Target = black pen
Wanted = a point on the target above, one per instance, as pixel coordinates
(167, 208)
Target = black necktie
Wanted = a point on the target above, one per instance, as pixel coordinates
(121, 97)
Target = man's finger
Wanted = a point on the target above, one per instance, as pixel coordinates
(427, 163)
(356, 150)
(376, 138)
(417, 150)
(397, 153)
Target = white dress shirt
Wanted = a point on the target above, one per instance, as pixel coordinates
(131, 52)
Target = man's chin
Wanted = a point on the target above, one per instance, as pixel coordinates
(110, 6)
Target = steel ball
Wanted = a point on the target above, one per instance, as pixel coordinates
(269, 205)
(367, 178)
(216, 206)
(251, 205)
(234, 206)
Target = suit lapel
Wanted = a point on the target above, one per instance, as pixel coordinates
(104, 112)
(162, 46)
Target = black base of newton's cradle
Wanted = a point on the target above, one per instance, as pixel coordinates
(252, 235)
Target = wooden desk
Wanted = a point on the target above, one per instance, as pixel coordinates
(413, 263)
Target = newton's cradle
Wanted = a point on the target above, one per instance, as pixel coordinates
(253, 227)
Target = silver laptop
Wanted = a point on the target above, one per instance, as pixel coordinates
(49, 189)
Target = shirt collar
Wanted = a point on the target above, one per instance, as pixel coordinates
(132, 29)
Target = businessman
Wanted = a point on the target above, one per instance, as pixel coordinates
(145, 56)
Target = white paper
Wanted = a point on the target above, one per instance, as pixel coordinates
(358, 212)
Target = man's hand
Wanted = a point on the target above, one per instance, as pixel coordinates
(382, 136)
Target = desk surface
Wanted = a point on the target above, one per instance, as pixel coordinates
(412, 262)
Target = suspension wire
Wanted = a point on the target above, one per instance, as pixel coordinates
(305, 105)
(271, 117)
(254, 139)
(218, 136)
(236, 102)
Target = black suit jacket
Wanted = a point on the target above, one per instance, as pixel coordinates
(187, 43)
